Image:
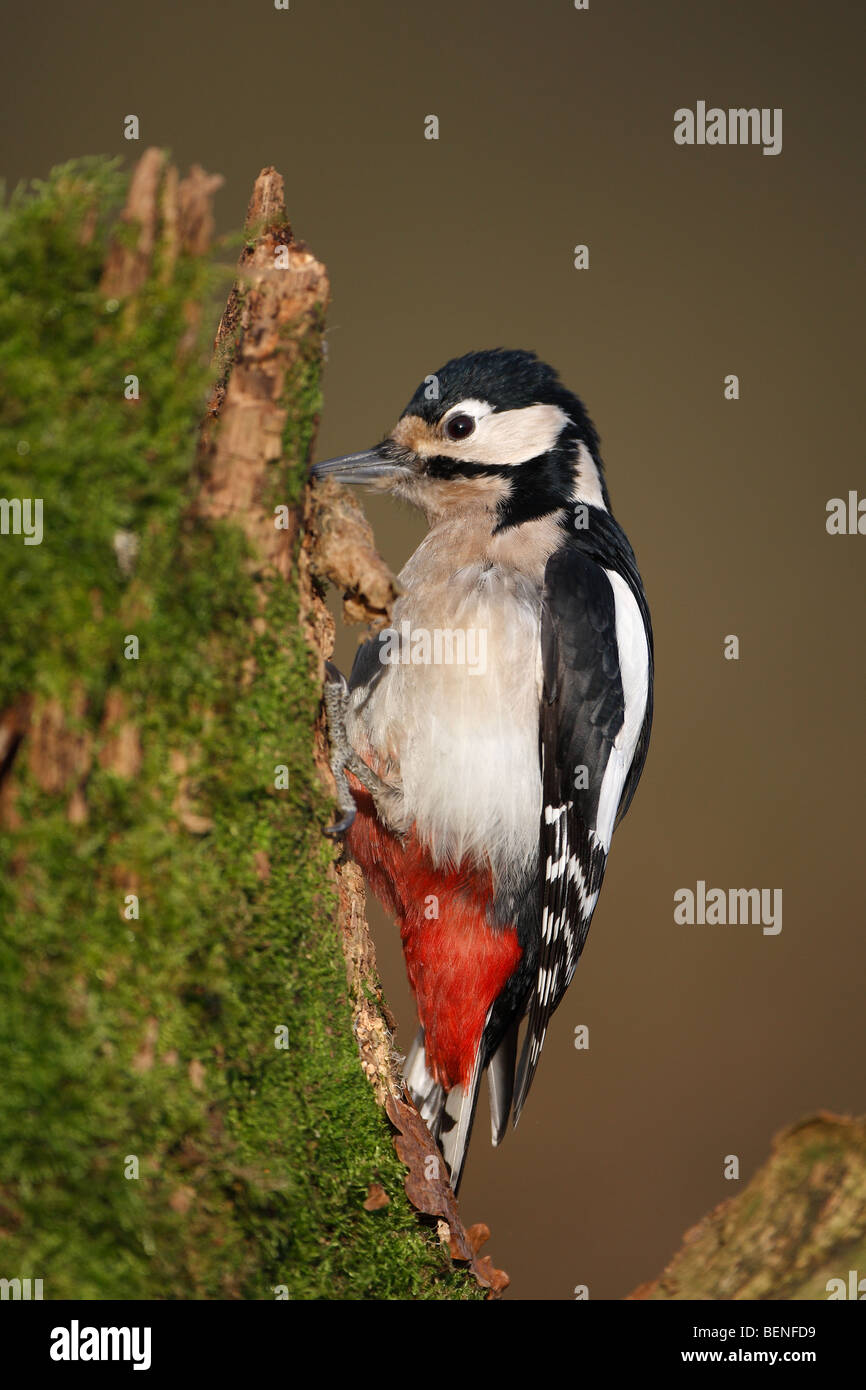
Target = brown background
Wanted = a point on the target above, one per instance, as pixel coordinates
(557, 128)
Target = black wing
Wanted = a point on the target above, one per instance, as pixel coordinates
(582, 711)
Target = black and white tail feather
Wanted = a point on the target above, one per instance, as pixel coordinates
(449, 1115)
(594, 725)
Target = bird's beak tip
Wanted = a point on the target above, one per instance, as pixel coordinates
(369, 466)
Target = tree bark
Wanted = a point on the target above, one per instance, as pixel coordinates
(192, 997)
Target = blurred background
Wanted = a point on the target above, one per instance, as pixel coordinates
(556, 129)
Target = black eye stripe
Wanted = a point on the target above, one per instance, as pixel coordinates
(442, 466)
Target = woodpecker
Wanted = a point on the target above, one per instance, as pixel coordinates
(479, 798)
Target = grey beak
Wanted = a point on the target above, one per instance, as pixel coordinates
(371, 466)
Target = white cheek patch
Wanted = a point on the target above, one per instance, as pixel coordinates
(587, 480)
(506, 437)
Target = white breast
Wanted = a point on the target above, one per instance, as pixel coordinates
(464, 736)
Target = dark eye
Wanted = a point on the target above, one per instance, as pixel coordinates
(459, 426)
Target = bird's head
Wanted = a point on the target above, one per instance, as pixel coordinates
(494, 430)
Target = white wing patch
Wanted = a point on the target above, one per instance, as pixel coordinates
(634, 673)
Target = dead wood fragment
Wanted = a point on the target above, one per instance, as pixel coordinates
(120, 750)
(346, 555)
(170, 214)
(429, 1191)
(377, 1198)
(273, 308)
(128, 266)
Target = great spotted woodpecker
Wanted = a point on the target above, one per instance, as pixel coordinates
(480, 797)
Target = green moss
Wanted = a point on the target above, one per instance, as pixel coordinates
(155, 1038)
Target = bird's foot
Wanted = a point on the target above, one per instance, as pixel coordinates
(336, 698)
(387, 798)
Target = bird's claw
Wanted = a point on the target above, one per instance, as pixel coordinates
(336, 693)
(341, 828)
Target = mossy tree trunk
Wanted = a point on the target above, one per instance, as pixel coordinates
(797, 1231)
(184, 1113)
